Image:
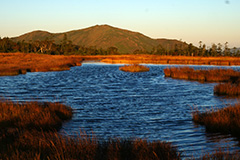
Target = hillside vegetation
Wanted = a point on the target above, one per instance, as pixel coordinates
(103, 36)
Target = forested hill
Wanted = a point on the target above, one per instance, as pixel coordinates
(105, 36)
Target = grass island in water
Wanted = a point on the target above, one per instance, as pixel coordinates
(134, 68)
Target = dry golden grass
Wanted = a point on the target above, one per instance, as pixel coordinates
(134, 68)
(212, 75)
(226, 120)
(32, 115)
(156, 59)
(19, 63)
(230, 89)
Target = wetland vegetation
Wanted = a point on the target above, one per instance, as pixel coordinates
(134, 68)
(30, 129)
(230, 79)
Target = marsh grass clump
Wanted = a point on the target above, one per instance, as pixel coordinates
(229, 89)
(134, 68)
(226, 120)
(33, 115)
(229, 77)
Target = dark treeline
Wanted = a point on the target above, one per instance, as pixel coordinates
(190, 50)
(66, 47)
(49, 47)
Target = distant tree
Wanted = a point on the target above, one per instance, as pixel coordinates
(213, 50)
(112, 50)
(200, 44)
(159, 50)
(219, 49)
(6, 45)
(226, 49)
(203, 50)
(234, 51)
(238, 53)
(190, 50)
(63, 44)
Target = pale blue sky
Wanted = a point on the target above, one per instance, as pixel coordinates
(211, 21)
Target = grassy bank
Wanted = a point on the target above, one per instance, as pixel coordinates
(158, 59)
(29, 131)
(231, 78)
(12, 64)
(20, 63)
(134, 68)
(211, 75)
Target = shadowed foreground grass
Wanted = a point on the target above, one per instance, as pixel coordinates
(134, 68)
(226, 120)
(220, 155)
(29, 131)
(229, 89)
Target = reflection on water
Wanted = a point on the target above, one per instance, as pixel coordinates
(112, 103)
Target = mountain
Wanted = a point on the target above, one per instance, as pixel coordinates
(103, 36)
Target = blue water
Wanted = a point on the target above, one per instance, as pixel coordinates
(112, 103)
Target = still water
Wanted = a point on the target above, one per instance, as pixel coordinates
(112, 103)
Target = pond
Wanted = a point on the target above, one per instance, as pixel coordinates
(112, 103)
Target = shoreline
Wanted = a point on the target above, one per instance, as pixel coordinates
(12, 64)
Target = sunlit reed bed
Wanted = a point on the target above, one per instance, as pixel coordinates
(134, 68)
(230, 79)
(163, 59)
(32, 115)
(226, 120)
(229, 89)
(29, 131)
(211, 75)
(12, 64)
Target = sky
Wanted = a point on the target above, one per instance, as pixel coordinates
(209, 21)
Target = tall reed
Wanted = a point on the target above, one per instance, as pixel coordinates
(230, 89)
(226, 120)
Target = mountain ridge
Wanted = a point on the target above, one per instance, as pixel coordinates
(104, 36)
